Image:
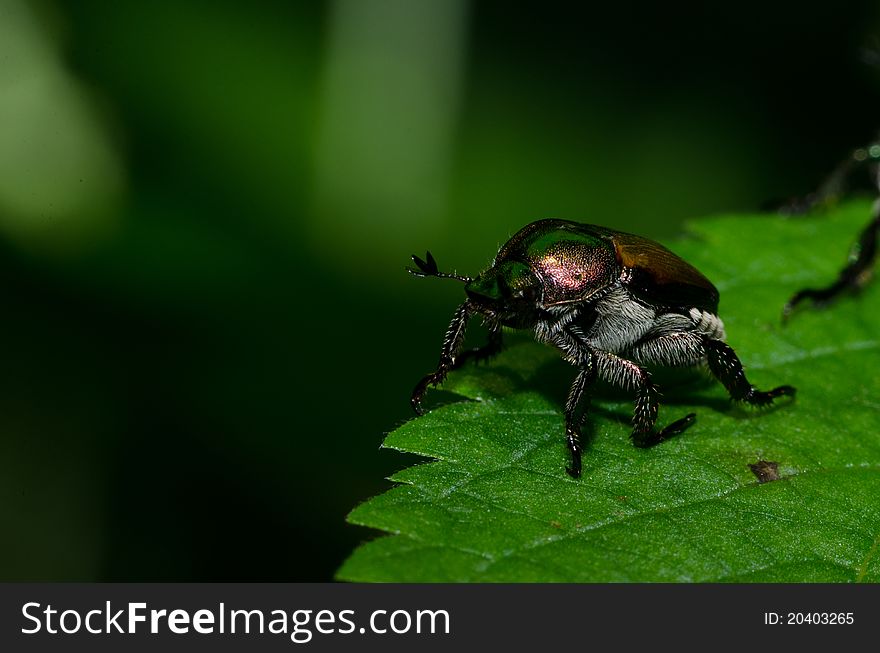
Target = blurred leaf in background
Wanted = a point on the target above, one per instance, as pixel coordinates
(60, 175)
(392, 88)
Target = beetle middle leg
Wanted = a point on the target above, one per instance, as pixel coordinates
(625, 373)
(621, 373)
(575, 412)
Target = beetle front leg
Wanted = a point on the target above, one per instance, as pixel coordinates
(452, 342)
(479, 354)
(726, 366)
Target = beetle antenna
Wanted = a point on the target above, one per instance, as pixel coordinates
(428, 268)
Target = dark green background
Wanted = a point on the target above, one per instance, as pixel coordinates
(200, 361)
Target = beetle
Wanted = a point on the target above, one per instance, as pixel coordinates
(611, 302)
(862, 255)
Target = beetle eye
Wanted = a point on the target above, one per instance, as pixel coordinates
(518, 282)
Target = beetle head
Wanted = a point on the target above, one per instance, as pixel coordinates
(508, 291)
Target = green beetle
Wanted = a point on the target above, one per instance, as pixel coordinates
(611, 302)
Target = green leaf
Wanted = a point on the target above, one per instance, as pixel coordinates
(497, 505)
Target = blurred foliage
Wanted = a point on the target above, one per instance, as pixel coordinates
(205, 339)
(59, 175)
(498, 505)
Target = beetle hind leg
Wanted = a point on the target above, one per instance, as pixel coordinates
(726, 366)
(676, 349)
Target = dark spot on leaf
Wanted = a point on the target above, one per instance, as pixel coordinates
(555, 524)
(765, 471)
